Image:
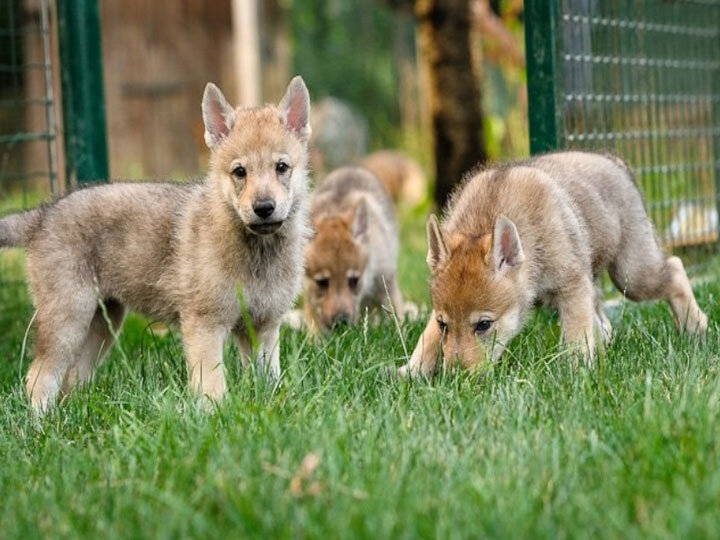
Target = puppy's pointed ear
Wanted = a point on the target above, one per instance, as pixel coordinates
(507, 248)
(360, 221)
(437, 248)
(218, 115)
(295, 109)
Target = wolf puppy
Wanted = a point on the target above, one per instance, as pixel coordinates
(175, 252)
(351, 262)
(542, 230)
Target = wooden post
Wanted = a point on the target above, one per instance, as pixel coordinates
(246, 46)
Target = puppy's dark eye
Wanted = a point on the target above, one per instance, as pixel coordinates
(281, 167)
(483, 326)
(322, 283)
(353, 282)
(239, 172)
(443, 326)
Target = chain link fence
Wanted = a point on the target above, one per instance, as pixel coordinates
(52, 125)
(640, 78)
(29, 169)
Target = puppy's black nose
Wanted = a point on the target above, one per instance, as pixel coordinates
(341, 319)
(264, 208)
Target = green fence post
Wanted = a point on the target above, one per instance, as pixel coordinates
(83, 97)
(715, 130)
(540, 50)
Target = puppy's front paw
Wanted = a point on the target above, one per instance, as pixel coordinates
(207, 404)
(408, 371)
(699, 325)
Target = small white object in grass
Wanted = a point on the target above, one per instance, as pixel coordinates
(692, 220)
(294, 319)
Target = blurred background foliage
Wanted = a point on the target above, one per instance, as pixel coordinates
(348, 49)
(364, 54)
(361, 57)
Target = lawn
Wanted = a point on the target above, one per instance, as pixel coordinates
(342, 448)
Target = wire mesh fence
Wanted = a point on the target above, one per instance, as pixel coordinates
(28, 135)
(640, 78)
(30, 157)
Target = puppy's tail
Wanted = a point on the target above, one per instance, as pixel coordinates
(17, 230)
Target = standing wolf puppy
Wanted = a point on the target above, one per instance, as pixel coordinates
(175, 252)
(351, 262)
(543, 229)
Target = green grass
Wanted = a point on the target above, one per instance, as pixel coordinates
(534, 448)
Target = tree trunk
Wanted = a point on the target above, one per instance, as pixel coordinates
(444, 28)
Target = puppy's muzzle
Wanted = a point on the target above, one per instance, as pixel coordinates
(341, 319)
(264, 209)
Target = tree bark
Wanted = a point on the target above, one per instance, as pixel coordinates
(444, 28)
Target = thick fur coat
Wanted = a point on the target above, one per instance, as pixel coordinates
(542, 230)
(351, 262)
(207, 256)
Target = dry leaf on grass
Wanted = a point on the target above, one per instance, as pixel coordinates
(298, 484)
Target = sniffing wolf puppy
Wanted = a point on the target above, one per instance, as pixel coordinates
(351, 262)
(175, 252)
(542, 230)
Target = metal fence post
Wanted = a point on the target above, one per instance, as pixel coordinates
(715, 127)
(540, 49)
(640, 79)
(82, 91)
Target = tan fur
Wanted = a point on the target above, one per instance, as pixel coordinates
(356, 237)
(174, 252)
(542, 230)
(401, 175)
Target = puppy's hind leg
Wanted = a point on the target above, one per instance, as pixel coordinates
(269, 353)
(688, 315)
(601, 319)
(641, 272)
(98, 341)
(60, 333)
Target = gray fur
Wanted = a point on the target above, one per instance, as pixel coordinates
(17, 230)
(334, 208)
(177, 253)
(567, 217)
(341, 189)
